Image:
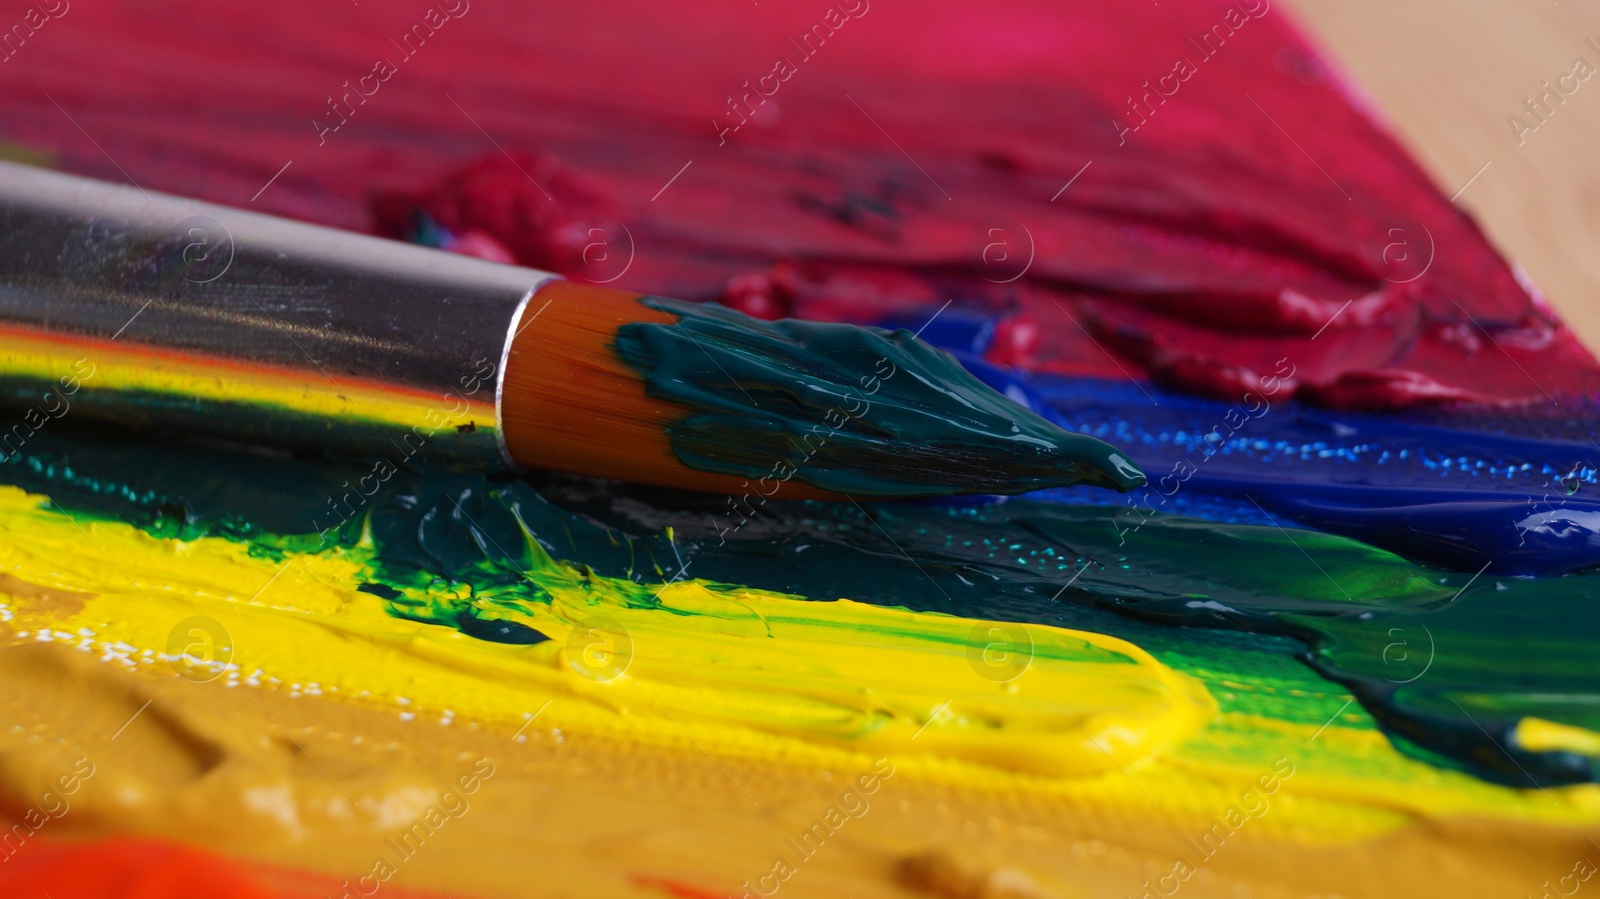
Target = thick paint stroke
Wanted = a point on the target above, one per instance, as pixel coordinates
(849, 409)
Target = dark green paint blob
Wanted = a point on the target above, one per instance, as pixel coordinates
(497, 630)
(849, 409)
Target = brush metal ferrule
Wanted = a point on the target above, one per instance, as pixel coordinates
(153, 310)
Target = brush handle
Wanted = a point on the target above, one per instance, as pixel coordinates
(149, 309)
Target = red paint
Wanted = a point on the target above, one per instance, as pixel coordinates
(768, 295)
(142, 868)
(126, 869)
(674, 887)
(1016, 341)
(482, 246)
(527, 205)
(1229, 210)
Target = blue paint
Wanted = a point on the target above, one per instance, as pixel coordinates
(955, 330)
(429, 233)
(1459, 493)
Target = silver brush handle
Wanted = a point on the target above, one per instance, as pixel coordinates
(303, 319)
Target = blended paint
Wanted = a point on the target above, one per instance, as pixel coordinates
(465, 552)
(1197, 253)
(719, 657)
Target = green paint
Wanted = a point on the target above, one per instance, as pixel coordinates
(849, 409)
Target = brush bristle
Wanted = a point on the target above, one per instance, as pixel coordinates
(569, 404)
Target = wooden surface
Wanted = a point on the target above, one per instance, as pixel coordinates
(1448, 73)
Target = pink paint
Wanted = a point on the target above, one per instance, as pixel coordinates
(1254, 213)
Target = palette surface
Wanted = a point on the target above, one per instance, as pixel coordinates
(1340, 644)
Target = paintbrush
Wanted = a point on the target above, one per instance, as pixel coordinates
(150, 310)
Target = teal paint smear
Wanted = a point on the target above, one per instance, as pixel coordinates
(1510, 649)
(1447, 663)
(849, 409)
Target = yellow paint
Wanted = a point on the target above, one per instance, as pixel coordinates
(740, 670)
(129, 368)
(885, 681)
(1539, 735)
